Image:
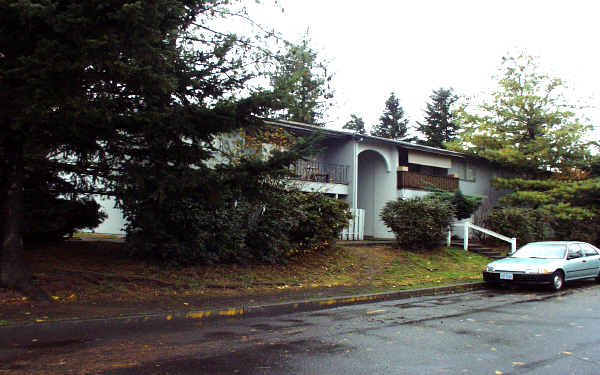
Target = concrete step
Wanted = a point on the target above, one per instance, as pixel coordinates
(488, 253)
(478, 248)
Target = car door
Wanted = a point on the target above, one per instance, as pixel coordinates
(593, 259)
(575, 266)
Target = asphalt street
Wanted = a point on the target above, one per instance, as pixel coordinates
(519, 331)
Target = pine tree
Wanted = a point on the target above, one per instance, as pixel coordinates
(301, 83)
(526, 123)
(439, 126)
(392, 123)
(128, 94)
(356, 124)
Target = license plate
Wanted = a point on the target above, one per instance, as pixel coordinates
(506, 276)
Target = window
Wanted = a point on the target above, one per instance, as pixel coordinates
(427, 170)
(574, 252)
(464, 170)
(588, 250)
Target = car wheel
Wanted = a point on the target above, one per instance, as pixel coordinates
(558, 280)
(598, 278)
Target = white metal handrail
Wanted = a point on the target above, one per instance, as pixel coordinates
(513, 241)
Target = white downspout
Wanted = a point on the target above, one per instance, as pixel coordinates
(355, 176)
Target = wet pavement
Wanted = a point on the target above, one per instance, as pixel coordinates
(530, 331)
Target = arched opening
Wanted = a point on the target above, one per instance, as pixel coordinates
(373, 176)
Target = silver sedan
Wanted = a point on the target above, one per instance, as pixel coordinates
(551, 262)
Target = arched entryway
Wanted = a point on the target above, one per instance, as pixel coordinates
(374, 185)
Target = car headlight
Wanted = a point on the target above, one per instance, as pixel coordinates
(538, 270)
(489, 269)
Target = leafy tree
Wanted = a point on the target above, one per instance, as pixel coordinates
(439, 126)
(527, 124)
(392, 123)
(356, 124)
(130, 95)
(301, 84)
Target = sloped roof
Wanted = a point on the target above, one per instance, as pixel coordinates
(302, 127)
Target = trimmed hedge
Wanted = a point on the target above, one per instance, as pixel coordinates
(418, 223)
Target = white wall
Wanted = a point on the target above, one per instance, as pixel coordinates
(115, 223)
(482, 172)
(408, 193)
(432, 160)
(376, 184)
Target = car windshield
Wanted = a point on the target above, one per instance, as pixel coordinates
(544, 251)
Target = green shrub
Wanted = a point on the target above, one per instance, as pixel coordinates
(529, 225)
(234, 229)
(47, 216)
(525, 224)
(418, 223)
(50, 219)
(320, 221)
(576, 230)
(464, 205)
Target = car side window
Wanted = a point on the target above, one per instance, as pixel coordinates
(574, 252)
(588, 250)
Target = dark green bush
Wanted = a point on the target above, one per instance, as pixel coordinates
(47, 216)
(464, 205)
(418, 223)
(576, 230)
(528, 225)
(525, 224)
(51, 219)
(320, 220)
(188, 231)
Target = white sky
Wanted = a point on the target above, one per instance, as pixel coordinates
(414, 47)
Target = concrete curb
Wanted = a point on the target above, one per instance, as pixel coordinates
(81, 329)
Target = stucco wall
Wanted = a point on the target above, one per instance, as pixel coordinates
(432, 160)
(115, 223)
(482, 175)
(376, 184)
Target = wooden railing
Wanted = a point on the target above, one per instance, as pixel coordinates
(412, 180)
(311, 170)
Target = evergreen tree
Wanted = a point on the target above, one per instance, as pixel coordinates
(392, 123)
(130, 95)
(356, 124)
(301, 84)
(439, 126)
(526, 123)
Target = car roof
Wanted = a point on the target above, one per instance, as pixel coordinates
(555, 242)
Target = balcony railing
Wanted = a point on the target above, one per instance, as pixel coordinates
(309, 170)
(412, 180)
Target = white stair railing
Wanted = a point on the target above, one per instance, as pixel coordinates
(467, 225)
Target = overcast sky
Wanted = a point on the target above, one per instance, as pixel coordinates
(414, 47)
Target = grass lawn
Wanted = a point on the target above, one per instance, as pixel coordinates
(100, 271)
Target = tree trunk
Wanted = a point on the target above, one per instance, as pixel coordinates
(13, 272)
